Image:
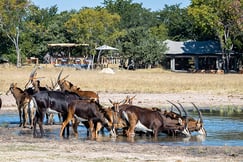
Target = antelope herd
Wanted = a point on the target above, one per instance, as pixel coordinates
(75, 106)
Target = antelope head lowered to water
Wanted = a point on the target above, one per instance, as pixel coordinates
(192, 124)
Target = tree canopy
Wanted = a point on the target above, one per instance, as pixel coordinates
(223, 18)
(137, 32)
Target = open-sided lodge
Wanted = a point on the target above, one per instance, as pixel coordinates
(198, 56)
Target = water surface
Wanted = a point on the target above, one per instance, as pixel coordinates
(223, 129)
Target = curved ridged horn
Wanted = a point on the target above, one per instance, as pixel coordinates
(186, 125)
(52, 84)
(183, 109)
(202, 130)
(175, 106)
(199, 112)
(59, 75)
(58, 78)
(32, 75)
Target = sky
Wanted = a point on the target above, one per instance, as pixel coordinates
(67, 5)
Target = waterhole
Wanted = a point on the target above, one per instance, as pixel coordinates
(223, 129)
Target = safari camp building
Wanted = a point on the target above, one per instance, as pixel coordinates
(196, 56)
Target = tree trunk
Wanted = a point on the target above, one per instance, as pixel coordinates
(18, 57)
(15, 41)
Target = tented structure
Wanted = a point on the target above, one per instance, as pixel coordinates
(104, 48)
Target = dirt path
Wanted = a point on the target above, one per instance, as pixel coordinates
(16, 147)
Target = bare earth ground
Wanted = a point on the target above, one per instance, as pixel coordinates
(14, 147)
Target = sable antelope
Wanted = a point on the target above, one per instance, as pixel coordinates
(92, 114)
(197, 125)
(34, 87)
(22, 101)
(54, 100)
(192, 124)
(24, 104)
(113, 120)
(68, 86)
(49, 114)
(146, 120)
(141, 119)
(133, 115)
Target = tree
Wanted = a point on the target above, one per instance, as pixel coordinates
(160, 32)
(12, 14)
(43, 26)
(132, 14)
(142, 47)
(179, 24)
(224, 17)
(96, 26)
(141, 36)
(5, 46)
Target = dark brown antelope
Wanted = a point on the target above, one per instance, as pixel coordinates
(140, 119)
(92, 114)
(34, 86)
(192, 124)
(197, 125)
(22, 102)
(148, 120)
(68, 86)
(54, 100)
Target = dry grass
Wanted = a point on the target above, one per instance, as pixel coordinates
(123, 81)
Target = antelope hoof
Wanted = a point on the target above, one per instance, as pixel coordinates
(130, 134)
